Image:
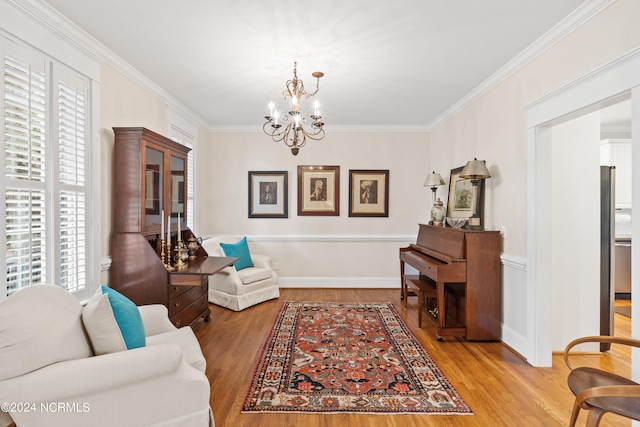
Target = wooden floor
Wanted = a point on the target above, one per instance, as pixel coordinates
(501, 388)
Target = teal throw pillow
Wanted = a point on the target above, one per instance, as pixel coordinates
(128, 318)
(240, 250)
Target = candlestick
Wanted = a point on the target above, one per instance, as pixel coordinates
(162, 247)
(179, 262)
(169, 233)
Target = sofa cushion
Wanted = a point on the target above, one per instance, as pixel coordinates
(239, 249)
(35, 318)
(113, 322)
(252, 275)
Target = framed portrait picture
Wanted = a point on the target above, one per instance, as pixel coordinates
(369, 193)
(268, 194)
(461, 196)
(319, 190)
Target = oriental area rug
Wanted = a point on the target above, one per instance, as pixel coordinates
(347, 358)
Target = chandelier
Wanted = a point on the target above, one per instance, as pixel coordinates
(289, 128)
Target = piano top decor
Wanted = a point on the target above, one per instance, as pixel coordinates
(459, 203)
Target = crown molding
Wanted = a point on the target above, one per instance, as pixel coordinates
(44, 14)
(329, 128)
(577, 18)
(54, 21)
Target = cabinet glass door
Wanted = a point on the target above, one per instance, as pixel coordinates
(153, 192)
(178, 190)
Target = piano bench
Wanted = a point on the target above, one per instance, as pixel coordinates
(422, 289)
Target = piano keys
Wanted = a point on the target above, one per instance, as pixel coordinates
(464, 266)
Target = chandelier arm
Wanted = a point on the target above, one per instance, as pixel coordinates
(293, 133)
(277, 134)
(316, 136)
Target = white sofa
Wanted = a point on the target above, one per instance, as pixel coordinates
(237, 290)
(51, 377)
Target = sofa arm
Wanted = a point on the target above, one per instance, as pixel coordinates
(226, 279)
(83, 377)
(261, 261)
(155, 319)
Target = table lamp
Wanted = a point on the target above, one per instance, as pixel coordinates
(475, 170)
(433, 180)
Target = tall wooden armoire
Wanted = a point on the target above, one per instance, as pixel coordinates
(149, 186)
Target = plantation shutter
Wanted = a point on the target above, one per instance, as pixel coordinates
(45, 182)
(72, 104)
(187, 140)
(25, 129)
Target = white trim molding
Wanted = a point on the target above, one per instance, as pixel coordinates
(340, 282)
(614, 81)
(47, 16)
(367, 238)
(512, 261)
(577, 18)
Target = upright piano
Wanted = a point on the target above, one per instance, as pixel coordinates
(464, 266)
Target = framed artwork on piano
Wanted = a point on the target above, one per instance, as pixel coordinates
(319, 190)
(268, 194)
(369, 193)
(460, 197)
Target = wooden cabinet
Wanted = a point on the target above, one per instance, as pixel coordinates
(149, 187)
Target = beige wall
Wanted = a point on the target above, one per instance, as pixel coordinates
(122, 103)
(494, 127)
(225, 159)
(222, 166)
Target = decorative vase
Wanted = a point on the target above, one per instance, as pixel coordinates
(438, 213)
(181, 252)
(193, 243)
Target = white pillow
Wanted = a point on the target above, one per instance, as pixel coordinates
(101, 325)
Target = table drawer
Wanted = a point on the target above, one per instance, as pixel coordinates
(185, 279)
(192, 293)
(198, 308)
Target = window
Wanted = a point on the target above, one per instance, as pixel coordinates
(185, 138)
(45, 186)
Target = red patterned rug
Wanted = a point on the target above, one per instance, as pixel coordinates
(347, 357)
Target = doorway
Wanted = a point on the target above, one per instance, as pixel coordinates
(606, 86)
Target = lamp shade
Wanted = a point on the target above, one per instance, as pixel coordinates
(433, 179)
(475, 169)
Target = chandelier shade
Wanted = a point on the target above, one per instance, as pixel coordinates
(292, 128)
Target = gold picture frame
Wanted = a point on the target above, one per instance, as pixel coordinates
(319, 190)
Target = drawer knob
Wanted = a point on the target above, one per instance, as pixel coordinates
(178, 322)
(177, 304)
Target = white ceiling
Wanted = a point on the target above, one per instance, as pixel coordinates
(386, 63)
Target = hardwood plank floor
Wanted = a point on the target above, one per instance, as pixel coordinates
(501, 388)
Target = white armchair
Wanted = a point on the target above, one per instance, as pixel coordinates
(50, 376)
(237, 290)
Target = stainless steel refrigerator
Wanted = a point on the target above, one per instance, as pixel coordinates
(607, 252)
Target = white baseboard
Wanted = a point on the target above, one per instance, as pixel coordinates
(340, 282)
(516, 341)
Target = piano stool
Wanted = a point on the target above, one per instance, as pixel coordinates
(420, 288)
